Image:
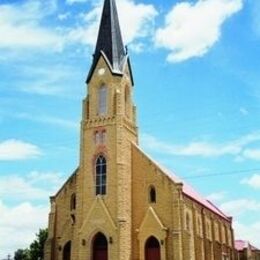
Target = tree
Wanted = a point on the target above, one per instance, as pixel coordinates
(37, 246)
(22, 254)
(36, 249)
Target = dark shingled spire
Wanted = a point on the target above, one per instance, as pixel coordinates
(109, 39)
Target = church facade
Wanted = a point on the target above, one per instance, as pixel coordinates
(120, 204)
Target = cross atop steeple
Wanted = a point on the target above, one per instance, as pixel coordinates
(109, 42)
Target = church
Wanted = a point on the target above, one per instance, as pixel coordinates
(120, 204)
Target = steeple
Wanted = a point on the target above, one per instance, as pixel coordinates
(109, 41)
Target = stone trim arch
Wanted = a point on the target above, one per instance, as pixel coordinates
(152, 226)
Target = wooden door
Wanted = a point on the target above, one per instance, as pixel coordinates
(100, 250)
(67, 251)
(152, 249)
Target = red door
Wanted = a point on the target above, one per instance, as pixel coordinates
(152, 249)
(67, 251)
(100, 251)
(100, 254)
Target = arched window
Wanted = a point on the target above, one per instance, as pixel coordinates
(73, 202)
(199, 226)
(127, 101)
(97, 137)
(152, 195)
(103, 136)
(101, 175)
(216, 231)
(102, 102)
(188, 224)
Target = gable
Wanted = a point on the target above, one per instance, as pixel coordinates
(152, 224)
(102, 60)
(98, 216)
(187, 190)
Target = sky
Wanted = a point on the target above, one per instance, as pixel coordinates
(197, 90)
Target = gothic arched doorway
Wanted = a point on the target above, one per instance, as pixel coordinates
(100, 248)
(152, 249)
(67, 251)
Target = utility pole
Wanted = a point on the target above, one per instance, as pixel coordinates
(8, 257)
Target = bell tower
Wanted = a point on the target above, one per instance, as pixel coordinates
(108, 129)
(110, 80)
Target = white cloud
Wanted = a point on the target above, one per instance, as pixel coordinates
(25, 22)
(253, 154)
(70, 2)
(18, 150)
(191, 29)
(136, 20)
(192, 149)
(240, 206)
(28, 196)
(255, 6)
(20, 26)
(34, 186)
(217, 196)
(235, 147)
(249, 232)
(42, 81)
(253, 181)
(50, 120)
(64, 16)
(19, 224)
(52, 178)
(243, 111)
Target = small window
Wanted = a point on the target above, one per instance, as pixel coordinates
(199, 226)
(127, 101)
(208, 229)
(73, 202)
(223, 234)
(101, 175)
(216, 231)
(103, 136)
(188, 224)
(102, 102)
(73, 219)
(97, 139)
(152, 195)
(100, 137)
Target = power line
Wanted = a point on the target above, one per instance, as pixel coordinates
(217, 174)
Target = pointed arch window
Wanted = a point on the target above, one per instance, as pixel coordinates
(101, 175)
(188, 222)
(127, 101)
(73, 202)
(152, 194)
(102, 102)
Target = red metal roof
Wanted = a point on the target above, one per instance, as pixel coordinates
(240, 245)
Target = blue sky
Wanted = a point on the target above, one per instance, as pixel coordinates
(197, 90)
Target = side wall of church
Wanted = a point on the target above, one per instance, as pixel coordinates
(205, 234)
(185, 228)
(164, 223)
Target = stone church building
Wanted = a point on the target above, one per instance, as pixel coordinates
(120, 204)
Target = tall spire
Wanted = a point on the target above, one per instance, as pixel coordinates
(109, 40)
